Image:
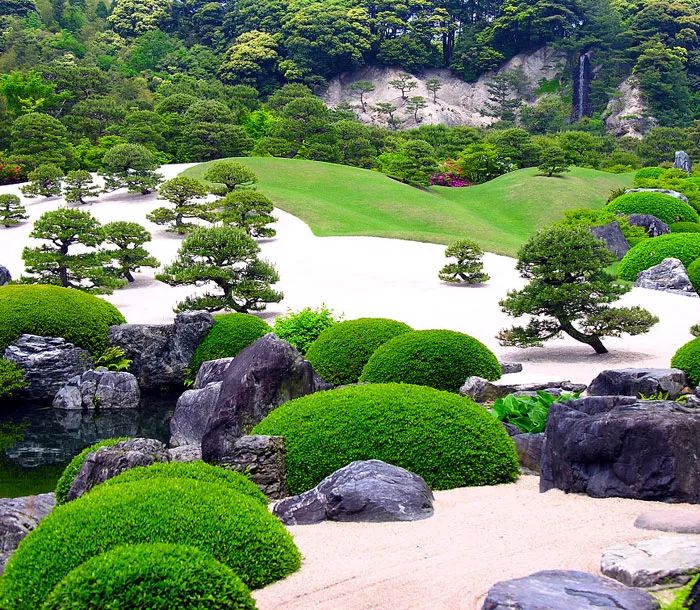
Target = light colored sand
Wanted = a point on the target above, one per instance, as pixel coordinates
(476, 537)
(366, 276)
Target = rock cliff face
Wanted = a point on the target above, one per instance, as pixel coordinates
(626, 114)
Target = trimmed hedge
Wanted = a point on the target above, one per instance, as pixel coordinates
(441, 359)
(683, 246)
(666, 208)
(153, 576)
(685, 227)
(235, 529)
(53, 311)
(341, 351)
(445, 438)
(231, 333)
(193, 471)
(687, 358)
(71, 471)
(694, 274)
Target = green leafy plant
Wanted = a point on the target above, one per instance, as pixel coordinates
(114, 359)
(655, 396)
(301, 328)
(11, 379)
(647, 253)
(528, 413)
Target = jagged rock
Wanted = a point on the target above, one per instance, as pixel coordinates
(99, 389)
(614, 239)
(627, 114)
(186, 453)
(529, 446)
(48, 363)
(160, 353)
(261, 458)
(638, 382)
(108, 462)
(682, 161)
(5, 276)
(661, 561)
(211, 371)
(266, 374)
(369, 490)
(565, 590)
(194, 410)
(481, 390)
(678, 522)
(619, 446)
(651, 224)
(668, 192)
(511, 367)
(18, 517)
(668, 276)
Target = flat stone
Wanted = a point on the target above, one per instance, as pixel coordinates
(186, 453)
(649, 563)
(679, 522)
(668, 192)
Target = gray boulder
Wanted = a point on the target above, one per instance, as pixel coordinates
(161, 353)
(668, 276)
(99, 389)
(529, 446)
(5, 276)
(614, 239)
(649, 563)
(186, 453)
(18, 517)
(211, 371)
(261, 458)
(678, 522)
(668, 192)
(566, 590)
(638, 382)
(108, 462)
(482, 390)
(266, 374)
(511, 367)
(48, 363)
(651, 224)
(682, 161)
(607, 446)
(193, 412)
(369, 490)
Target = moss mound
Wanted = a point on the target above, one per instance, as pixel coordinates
(446, 439)
(153, 576)
(231, 333)
(440, 359)
(193, 471)
(683, 246)
(71, 471)
(341, 351)
(233, 528)
(687, 358)
(52, 311)
(685, 227)
(667, 208)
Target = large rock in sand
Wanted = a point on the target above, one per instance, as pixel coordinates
(638, 382)
(369, 490)
(18, 517)
(99, 389)
(668, 276)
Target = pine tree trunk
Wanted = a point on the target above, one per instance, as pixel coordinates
(592, 340)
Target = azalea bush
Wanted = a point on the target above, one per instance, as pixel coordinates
(448, 179)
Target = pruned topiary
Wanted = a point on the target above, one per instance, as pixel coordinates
(650, 252)
(687, 358)
(665, 207)
(445, 438)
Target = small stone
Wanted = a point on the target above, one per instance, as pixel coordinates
(211, 371)
(679, 522)
(186, 453)
(99, 389)
(511, 367)
(5, 276)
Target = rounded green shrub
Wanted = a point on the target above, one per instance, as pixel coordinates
(71, 471)
(445, 438)
(683, 246)
(153, 576)
(341, 351)
(231, 333)
(666, 208)
(301, 328)
(11, 378)
(693, 271)
(194, 471)
(685, 227)
(687, 358)
(649, 173)
(441, 359)
(53, 311)
(233, 528)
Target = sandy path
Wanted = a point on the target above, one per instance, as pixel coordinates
(366, 276)
(476, 537)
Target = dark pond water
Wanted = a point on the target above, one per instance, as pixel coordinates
(36, 442)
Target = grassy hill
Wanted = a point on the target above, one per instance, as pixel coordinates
(499, 215)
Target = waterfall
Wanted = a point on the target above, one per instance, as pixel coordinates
(582, 84)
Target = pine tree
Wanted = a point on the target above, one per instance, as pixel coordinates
(187, 196)
(469, 267)
(79, 185)
(129, 255)
(12, 212)
(248, 210)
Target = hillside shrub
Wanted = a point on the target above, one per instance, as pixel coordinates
(683, 246)
(231, 333)
(445, 438)
(11, 378)
(301, 328)
(71, 471)
(341, 351)
(685, 227)
(235, 529)
(53, 311)
(153, 576)
(193, 471)
(648, 173)
(693, 271)
(440, 359)
(667, 208)
(687, 358)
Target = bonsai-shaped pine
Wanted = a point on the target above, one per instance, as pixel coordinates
(414, 105)
(469, 267)
(130, 255)
(404, 83)
(130, 166)
(361, 87)
(79, 185)
(433, 85)
(569, 292)
(553, 161)
(54, 263)
(12, 212)
(228, 258)
(248, 210)
(231, 175)
(187, 196)
(45, 180)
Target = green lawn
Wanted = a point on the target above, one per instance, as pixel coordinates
(499, 215)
